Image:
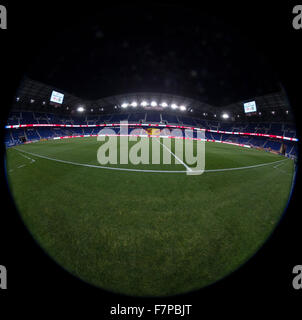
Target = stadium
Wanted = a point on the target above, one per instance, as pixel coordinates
(148, 224)
(150, 227)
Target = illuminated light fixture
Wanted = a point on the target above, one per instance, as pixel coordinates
(80, 109)
(115, 107)
(91, 110)
(191, 110)
(124, 105)
(43, 102)
(259, 113)
(273, 112)
(225, 116)
(134, 104)
(238, 116)
(17, 98)
(144, 103)
(67, 108)
(164, 104)
(174, 106)
(153, 104)
(182, 108)
(214, 115)
(32, 100)
(286, 111)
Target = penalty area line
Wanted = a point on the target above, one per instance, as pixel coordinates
(22, 165)
(277, 168)
(24, 156)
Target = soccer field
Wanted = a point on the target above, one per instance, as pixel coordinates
(146, 233)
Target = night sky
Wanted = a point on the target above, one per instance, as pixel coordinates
(159, 48)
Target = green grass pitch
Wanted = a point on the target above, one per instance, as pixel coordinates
(142, 233)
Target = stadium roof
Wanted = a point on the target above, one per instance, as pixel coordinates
(35, 96)
(270, 102)
(34, 90)
(37, 92)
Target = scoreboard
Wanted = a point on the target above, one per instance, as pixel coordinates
(57, 97)
(250, 107)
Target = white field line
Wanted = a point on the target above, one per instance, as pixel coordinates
(248, 167)
(23, 165)
(179, 160)
(277, 167)
(32, 160)
(142, 170)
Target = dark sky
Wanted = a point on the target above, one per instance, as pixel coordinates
(161, 48)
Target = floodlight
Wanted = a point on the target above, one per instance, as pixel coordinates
(134, 104)
(225, 116)
(153, 103)
(164, 104)
(80, 109)
(182, 108)
(124, 105)
(144, 103)
(174, 106)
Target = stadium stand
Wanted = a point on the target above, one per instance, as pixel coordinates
(172, 119)
(137, 117)
(153, 117)
(15, 136)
